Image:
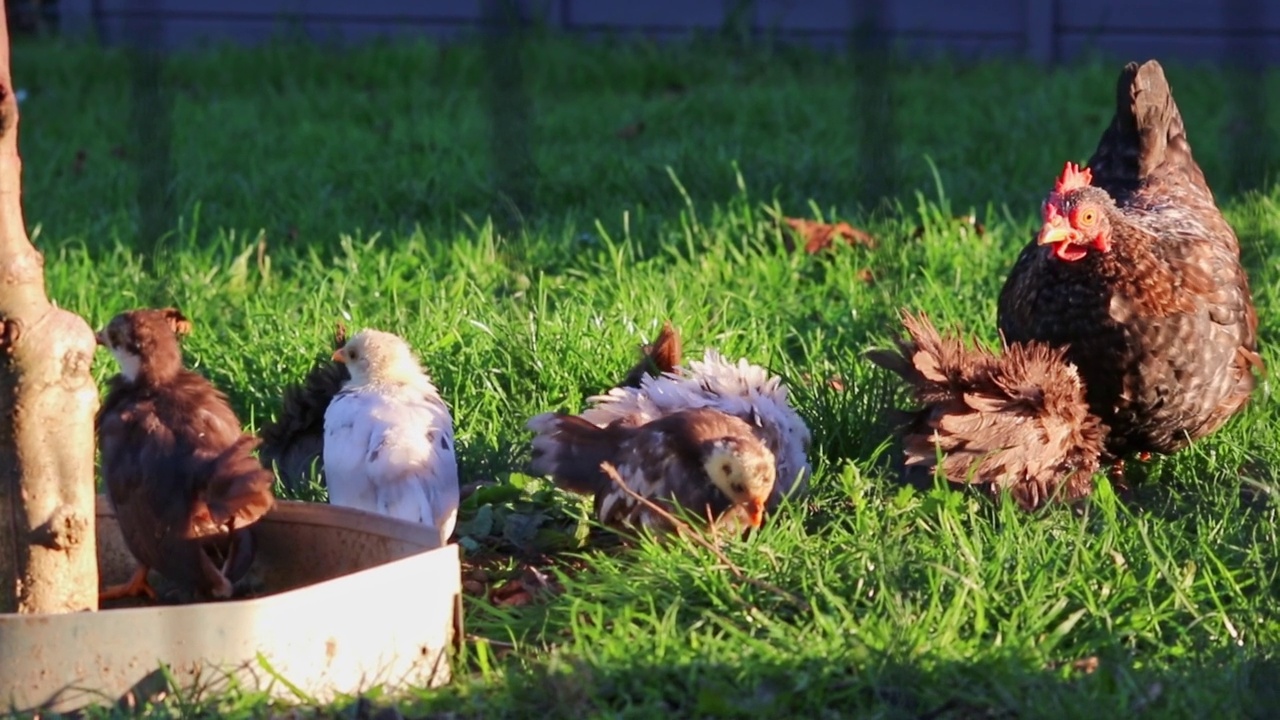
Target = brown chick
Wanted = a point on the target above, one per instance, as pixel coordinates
(178, 470)
(294, 443)
(704, 460)
(1017, 421)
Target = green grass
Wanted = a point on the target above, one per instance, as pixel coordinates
(299, 185)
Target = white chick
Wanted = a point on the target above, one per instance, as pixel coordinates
(388, 436)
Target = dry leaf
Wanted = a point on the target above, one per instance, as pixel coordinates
(515, 599)
(628, 132)
(819, 236)
(506, 589)
(1086, 665)
(866, 276)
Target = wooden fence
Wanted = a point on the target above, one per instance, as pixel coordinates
(1246, 31)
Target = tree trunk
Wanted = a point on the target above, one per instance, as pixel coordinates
(48, 552)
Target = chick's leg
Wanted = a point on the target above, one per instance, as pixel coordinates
(135, 586)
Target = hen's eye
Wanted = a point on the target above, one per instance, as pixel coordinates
(1088, 217)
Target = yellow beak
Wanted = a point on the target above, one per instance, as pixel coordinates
(755, 513)
(1052, 234)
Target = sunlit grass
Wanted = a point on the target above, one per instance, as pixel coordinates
(307, 186)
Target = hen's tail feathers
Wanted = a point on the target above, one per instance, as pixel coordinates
(570, 450)
(238, 491)
(660, 356)
(1146, 133)
(294, 442)
(1017, 420)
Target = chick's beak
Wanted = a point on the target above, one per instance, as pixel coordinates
(339, 356)
(755, 513)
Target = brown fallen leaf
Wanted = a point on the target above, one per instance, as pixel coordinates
(506, 589)
(1086, 665)
(516, 599)
(627, 132)
(472, 587)
(866, 276)
(819, 236)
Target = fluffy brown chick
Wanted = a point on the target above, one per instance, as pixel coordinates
(1017, 421)
(178, 470)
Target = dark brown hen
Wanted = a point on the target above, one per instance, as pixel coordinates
(1015, 421)
(178, 470)
(293, 443)
(1136, 273)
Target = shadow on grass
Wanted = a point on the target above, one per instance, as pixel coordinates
(1220, 684)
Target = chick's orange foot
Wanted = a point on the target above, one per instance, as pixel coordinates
(135, 586)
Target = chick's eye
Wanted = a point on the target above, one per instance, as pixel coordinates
(353, 354)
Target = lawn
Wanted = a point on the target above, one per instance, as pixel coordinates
(526, 239)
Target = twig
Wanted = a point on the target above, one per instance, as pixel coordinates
(686, 530)
(502, 645)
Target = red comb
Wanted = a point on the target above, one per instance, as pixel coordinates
(1073, 177)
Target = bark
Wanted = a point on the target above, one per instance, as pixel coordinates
(48, 551)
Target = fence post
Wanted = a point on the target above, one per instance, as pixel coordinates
(873, 100)
(512, 162)
(1247, 121)
(152, 127)
(1040, 32)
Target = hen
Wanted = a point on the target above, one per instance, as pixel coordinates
(1015, 421)
(388, 445)
(294, 443)
(742, 389)
(703, 460)
(178, 470)
(1136, 273)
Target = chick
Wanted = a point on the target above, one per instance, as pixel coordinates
(293, 444)
(656, 358)
(709, 462)
(388, 445)
(1018, 420)
(663, 383)
(178, 469)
